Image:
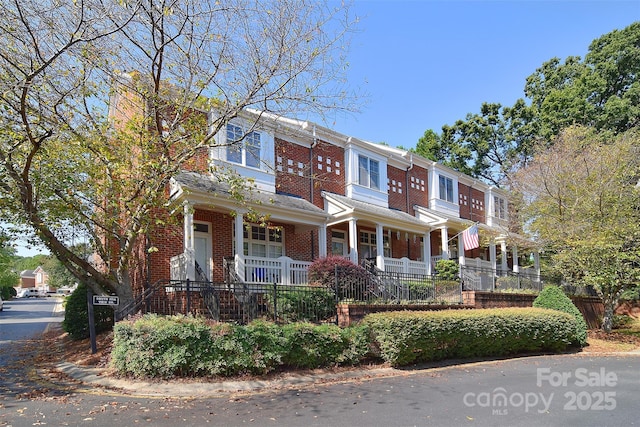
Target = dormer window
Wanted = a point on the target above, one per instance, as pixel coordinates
(243, 149)
(446, 188)
(368, 172)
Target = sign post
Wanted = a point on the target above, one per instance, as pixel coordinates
(97, 300)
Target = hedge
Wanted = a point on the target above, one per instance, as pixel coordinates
(403, 337)
(182, 346)
(554, 298)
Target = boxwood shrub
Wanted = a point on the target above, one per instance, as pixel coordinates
(554, 298)
(405, 337)
(165, 347)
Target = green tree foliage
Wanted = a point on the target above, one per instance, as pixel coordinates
(8, 276)
(602, 91)
(76, 317)
(581, 200)
(554, 298)
(159, 69)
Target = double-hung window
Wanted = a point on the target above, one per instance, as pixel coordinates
(263, 242)
(368, 172)
(243, 149)
(446, 188)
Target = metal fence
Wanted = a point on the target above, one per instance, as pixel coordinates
(486, 279)
(317, 303)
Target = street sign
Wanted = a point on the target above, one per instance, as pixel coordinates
(106, 300)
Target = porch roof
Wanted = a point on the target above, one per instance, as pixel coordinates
(205, 190)
(343, 208)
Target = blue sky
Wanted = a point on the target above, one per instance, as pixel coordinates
(425, 63)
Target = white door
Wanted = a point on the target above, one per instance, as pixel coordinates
(202, 243)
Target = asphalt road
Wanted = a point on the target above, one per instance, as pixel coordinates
(563, 390)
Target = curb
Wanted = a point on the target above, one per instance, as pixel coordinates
(93, 376)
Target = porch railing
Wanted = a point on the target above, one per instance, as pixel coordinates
(283, 270)
(405, 266)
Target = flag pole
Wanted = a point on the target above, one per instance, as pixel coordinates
(475, 223)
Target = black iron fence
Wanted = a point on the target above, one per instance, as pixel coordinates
(486, 279)
(317, 303)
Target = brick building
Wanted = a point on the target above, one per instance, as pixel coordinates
(324, 193)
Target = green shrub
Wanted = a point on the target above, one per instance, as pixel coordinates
(554, 298)
(353, 281)
(76, 315)
(303, 305)
(312, 346)
(447, 269)
(403, 338)
(165, 347)
(7, 292)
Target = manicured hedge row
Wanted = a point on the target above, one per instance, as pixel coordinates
(405, 337)
(164, 347)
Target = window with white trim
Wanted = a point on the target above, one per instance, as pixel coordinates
(338, 243)
(265, 242)
(368, 172)
(243, 149)
(446, 188)
(499, 207)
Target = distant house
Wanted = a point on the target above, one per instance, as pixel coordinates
(37, 278)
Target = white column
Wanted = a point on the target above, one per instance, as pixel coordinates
(322, 241)
(353, 241)
(426, 251)
(536, 262)
(492, 255)
(503, 256)
(444, 236)
(189, 242)
(379, 247)
(239, 255)
(461, 258)
(516, 268)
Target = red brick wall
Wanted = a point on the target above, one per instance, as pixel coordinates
(471, 201)
(397, 184)
(293, 170)
(418, 188)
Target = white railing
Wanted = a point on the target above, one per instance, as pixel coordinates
(405, 266)
(478, 263)
(435, 259)
(283, 270)
(179, 267)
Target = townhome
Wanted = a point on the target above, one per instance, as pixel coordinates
(323, 193)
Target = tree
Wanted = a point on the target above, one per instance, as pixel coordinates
(582, 199)
(602, 91)
(68, 170)
(8, 277)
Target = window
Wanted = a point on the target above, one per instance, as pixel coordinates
(368, 172)
(244, 151)
(265, 242)
(338, 243)
(446, 188)
(499, 207)
(367, 244)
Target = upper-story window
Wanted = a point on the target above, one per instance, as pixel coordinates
(446, 188)
(368, 172)
(244, 151)
(499, 207)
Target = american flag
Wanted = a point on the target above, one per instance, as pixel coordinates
(470, 238)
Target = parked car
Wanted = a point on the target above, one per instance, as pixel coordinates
(29, 293)
(1, 304)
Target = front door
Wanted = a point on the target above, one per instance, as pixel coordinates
(202, 243)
